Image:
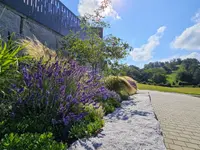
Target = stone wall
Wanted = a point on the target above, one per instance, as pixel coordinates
(12, 21)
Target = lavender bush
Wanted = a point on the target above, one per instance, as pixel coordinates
(56, 94)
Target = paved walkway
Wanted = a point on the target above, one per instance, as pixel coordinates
(179, 116)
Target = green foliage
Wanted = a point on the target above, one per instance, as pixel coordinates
(116, 69)
(124, 95)
(9, 60)
(90, 125)
(30, 141)
(86, 129)
(135, 73)
(9, 55)
(184, 76)
(110, 105)
(159, 78)
(177, 71)
(94, 50)
(29, 124)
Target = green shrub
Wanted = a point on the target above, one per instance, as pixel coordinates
(110, 105)
(85, 129)
(30, 141)
(124, 95)
(90, 125)
(29, 124)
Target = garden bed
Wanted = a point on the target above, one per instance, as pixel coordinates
(131, 127)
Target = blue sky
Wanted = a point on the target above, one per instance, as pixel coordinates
(159, 30)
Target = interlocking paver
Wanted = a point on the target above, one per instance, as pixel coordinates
(187, 148)
(175, 147)
(182, 139)
(179, 143)
(191, 145)
(185, 135)
(179, 116)
(168, 140)
(194, 141)
(195, 137)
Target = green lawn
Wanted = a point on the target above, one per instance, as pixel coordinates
(184, 90)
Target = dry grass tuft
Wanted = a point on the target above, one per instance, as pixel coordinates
(131, 81)
(118, 83)
(35, 49)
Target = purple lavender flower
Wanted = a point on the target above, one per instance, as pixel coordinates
(59, 87)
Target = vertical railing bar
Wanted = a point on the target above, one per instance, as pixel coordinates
(51, 13)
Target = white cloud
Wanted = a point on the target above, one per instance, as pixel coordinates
(144, 52)
(190, 37)
(89, 6)
(191, 55)
(196, 17)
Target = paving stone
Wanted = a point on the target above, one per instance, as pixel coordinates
(188, 133)
(191, 145)
(179, 143)
(166, 140)
(167, 145)
(171, 137)
(175, 147)
(194, 141)
(179, 117)
(187, 148)
(197, 134)
(183, 139)
(174, 133)
(196, 137)
(185, 135)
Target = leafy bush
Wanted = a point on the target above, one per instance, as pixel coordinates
(110, 105)
(30, 141)
(159, 78)
(182, 83)
(124, 95)
(56, 96)
(86, 129)
(53, 97)
(90, 125)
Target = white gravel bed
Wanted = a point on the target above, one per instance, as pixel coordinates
(131, 127)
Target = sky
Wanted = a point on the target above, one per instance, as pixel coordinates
(158, 30)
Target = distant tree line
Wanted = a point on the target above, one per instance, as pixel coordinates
(176, 72)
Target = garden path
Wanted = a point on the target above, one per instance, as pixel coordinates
(179, 116)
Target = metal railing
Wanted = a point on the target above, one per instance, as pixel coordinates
(51, 13)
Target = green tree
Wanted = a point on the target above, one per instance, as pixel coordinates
(159, 78)
(196, 76)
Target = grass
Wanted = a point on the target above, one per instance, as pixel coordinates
(184, 90)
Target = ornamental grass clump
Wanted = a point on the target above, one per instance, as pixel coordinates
(36, 49)
(120, 85)
(131, 81)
